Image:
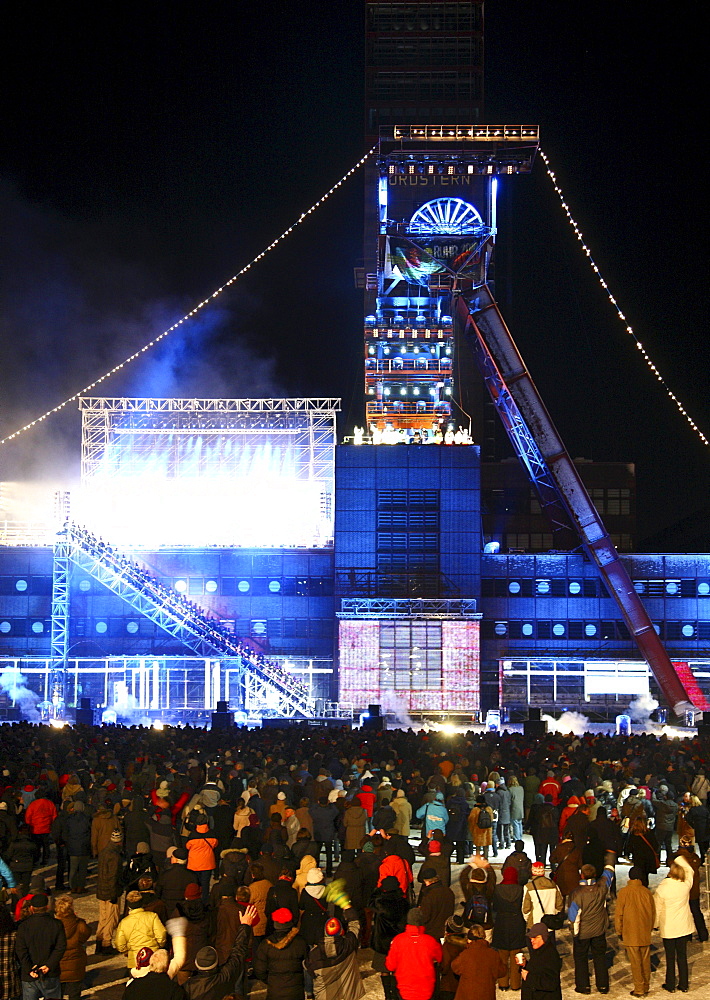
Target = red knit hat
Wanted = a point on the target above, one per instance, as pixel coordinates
(282, 916)
(192, 891)
(434, 847)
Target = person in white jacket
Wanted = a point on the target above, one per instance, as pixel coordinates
(675, 923)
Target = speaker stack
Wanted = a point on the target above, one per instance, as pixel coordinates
(222, 718)
(84, 714)
(376, 720)
(534, 725)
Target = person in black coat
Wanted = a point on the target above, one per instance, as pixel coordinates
(174, 879)
(436, 901)
(457, 823)
(541, 974)
(350, 872)
(77, 836)
(278, 961)
(281, 894)
(40, 942)
(642, 848)
(542, 824)
(390, 908)
(698, 816)
(508, 926)
(20, 858)
(213, 982)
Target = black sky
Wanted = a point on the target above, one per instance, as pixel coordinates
(150, 150)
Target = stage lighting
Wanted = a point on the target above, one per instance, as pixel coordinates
(158, 724)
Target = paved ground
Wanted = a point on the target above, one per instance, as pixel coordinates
(106, 979)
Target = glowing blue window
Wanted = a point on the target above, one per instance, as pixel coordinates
(131, 628)
(590, 630)
(5, 627)
(688, 631)
(181, 586)
(101, 627)
(211, 586)
(514, 587)
(558, 629)
(21, 585)
(574, 587)
(527, 629)
(274, 586)
(258, 628)
(501, 628)
(37, 627)
(672, 587)
(84, 586)
(448, 217)
(243, 586)
(542, 586)
(704, 589)
(639, 586)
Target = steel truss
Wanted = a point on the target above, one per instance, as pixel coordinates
(60, 619)
(287, 696)
(310, 423)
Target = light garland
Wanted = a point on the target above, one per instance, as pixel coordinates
(192, 312)
(620, 314)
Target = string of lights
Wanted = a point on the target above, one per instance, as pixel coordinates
(620, 314)
(200, 305)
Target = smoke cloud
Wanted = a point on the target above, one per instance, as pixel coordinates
(14, 685)
(75, 300)
(568, 722)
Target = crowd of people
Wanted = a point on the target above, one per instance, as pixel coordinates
(303, 858)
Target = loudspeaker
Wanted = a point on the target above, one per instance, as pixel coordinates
(534, 714)
(280, 723)
(84, 716)
(222, 706)
(374, 711)
(535, 727)
(85, 703)
(222, 720)
(376, 723)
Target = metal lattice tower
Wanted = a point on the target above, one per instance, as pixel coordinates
(61, 570)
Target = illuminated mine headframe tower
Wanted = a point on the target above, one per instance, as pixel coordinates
(436, 195)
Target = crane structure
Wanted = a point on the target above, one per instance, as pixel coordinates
(437, 199)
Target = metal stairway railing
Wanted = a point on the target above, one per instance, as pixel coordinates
(265, 681)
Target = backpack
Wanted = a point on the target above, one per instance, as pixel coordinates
(476, 909)
(483, 820)
(547, 820)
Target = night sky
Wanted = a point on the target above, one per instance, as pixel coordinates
(150, 150)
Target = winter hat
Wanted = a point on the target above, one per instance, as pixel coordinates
(206, 959)
(368, 847)
(180, 855)
(415, 917)
(314, 876)
(537, 930)
(455, 924)
(477, 875)
(192, 891)
(510, 876)
(538, 867)
(143, 958)
(116, 837)
(333, 927)
(142, 848)
(434, 847)
(389, 883)
(282, 916)
(39, 900)
(427, 873)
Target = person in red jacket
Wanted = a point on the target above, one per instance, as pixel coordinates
(550, 786)
(367, 798)
(39, 816)
(413, 957)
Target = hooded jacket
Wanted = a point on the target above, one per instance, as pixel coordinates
(479, 967)
(509, 922)
(333, 963)
(412, 957)
(541, 896)
(434, 814)
(278, 962)
(140, 929)
(544, 968)
(673, 914)
(587, 911)
(72, 967)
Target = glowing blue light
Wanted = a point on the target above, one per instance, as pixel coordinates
(672, 587)
(688, 631)
(101, 627)
(704, 589)
(109, 717)
(574, 587)
(131, 628)
(542, 586)
(274, 586)
(514, 587)
(38, 627)
(527, 629)
(446, 217)
(211, 586)
(243, 586)
(558, 629)
(21, 586)
(181, 586)
(590, 630)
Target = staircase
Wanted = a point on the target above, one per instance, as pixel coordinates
(268, 685)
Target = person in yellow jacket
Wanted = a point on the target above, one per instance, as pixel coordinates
(139, 929)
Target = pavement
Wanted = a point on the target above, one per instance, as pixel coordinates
(106, 979)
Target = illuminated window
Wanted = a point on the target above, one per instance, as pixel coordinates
(84, 586)
(5, 627)
(274, 586)
(211, 586)
(101, 627)
(181, 586)
(131, 627)
(703, 589)
(542, 586)
(514, 587)
(37, 627)
(243, 586)
(575, 587)
(527, 629)
(688, 631)
(410, 655)
(21, 585)
(501, 628)
(558, 629)
(590, 630)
